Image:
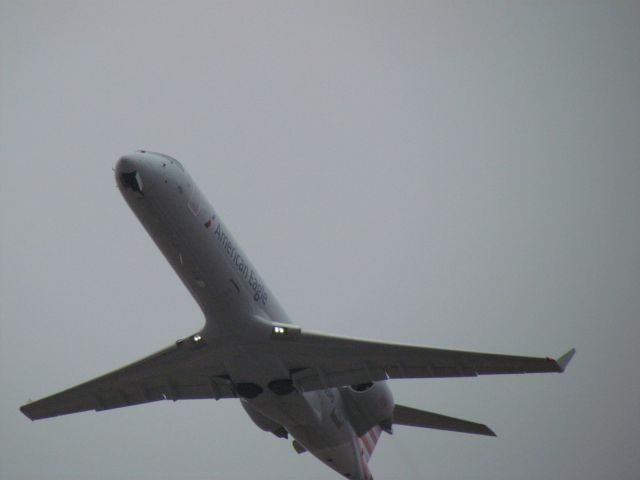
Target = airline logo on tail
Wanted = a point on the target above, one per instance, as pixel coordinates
(367, 443)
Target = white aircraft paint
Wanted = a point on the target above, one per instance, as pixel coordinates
(329, 393)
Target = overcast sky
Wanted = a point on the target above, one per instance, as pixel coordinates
(462, 175)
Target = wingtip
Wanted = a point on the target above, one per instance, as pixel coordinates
(488, 432)
(25, 411)
(564, 360)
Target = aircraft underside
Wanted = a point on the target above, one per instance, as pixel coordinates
(328, 392)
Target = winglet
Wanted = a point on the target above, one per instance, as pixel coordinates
(564, 360)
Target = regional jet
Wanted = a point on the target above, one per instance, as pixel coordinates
(328, 392)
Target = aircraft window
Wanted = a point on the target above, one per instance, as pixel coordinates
(131, 180)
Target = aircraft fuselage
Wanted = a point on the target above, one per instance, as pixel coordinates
(328, 391)
(240, 308)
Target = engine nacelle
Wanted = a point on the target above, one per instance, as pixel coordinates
(263, 422)
(368, 405)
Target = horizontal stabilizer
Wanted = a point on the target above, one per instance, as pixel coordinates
(412, 417)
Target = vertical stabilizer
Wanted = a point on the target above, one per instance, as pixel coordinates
(367, 444)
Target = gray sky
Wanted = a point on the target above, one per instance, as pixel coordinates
(458, 175)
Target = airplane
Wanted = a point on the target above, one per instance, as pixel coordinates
(328, 392)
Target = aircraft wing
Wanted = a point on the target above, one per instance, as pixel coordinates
(319, 361)
(189, 369)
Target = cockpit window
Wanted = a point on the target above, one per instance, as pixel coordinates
(131, 180)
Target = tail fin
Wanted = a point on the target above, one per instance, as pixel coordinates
(413, 417)
(367, 443)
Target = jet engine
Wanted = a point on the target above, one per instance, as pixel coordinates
(368, 405)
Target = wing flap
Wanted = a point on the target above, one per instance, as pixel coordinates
(413, 417)
(322, 377)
